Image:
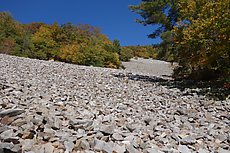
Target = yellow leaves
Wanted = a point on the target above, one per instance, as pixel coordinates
(43, 32)
(70, 49)
(69, 52)
(81, 44)
(203, 42)
(44, 37)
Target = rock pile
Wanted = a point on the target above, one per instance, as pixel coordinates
(50, 107)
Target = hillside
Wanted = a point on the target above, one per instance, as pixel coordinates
(48, 106)
(149, 67)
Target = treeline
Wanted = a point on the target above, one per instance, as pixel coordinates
(141, 51)
(77, 44)
(195, 34)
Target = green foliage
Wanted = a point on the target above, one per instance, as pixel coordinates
(11, 34)
(33, 27)
(92, 56)
(117, 46)
(166, 49)
(195, 33)
(162, 13)
(141, 51)
(126, 54)
(44, 42)
(81, 44)
(202, 42)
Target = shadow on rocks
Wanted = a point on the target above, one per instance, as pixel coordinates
(137, 77)
(210, 89)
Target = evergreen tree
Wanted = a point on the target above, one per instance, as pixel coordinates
(161, 13)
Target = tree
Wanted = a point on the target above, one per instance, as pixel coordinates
(166, 47)
(162, 13)
(78, 44)
(195, 32)
(117, 46)
(12, 34)
(85, 45)
(44, 42)
(202, 38)
(126, 54)
(33, 27)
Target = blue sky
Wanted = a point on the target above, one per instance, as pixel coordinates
(112, 16)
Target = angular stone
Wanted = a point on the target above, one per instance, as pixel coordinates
(131, 149)
(69, 145)
(85, 145)
(117, 137)
(130, 138)
(6, 120)
(8, 146)
(19, 122)
(46, 136)
(3, 128)
(202, 151)
(27, 144)
(105, 138)
(78, 123)
(28, 134)
(62, 134)
(99, 135)
(188, 141)
(130, 127)
(119, 148)
(59, 145)
(17, 148)
(107, 129)
(81, 145)
(11, 112)
(107, 118)
(183, 149)
(222, 137)
(102, 146)
(49, 148)
(7, 134)
(56, 124)
(81, 133)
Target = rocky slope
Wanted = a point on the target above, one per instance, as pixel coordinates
(50, 107)
(149, 67)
